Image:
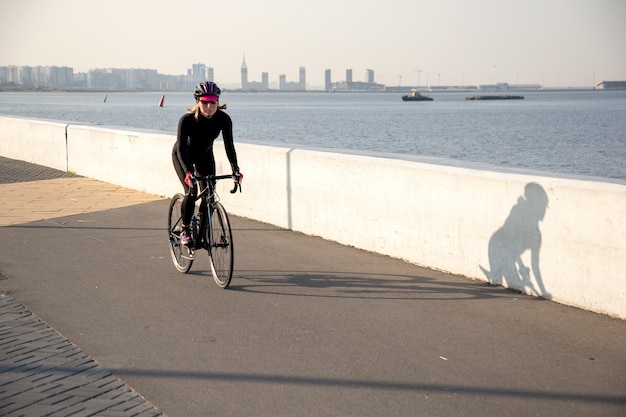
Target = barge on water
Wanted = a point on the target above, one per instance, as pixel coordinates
(493, 97)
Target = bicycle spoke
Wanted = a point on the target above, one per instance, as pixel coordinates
(220, 246)
(182, 256)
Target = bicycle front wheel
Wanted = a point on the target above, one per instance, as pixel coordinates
(182, 256)
(220, 238)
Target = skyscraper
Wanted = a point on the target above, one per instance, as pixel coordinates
(198, 73)
(265, 80)
(302, 78)
(327, 80)
(244, 74)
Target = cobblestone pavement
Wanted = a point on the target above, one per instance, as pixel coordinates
(44, 374)
(41, 372)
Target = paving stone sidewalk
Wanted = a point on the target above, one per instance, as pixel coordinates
(41, 372)
(44, 374)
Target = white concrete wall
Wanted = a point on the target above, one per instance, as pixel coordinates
(473, 222)
(137, 160)
(34, 141)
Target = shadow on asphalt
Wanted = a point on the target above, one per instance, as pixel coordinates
(363, 285)
(568, 397)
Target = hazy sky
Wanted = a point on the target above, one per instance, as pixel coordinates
(440, 42)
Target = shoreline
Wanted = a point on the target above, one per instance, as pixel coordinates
(396, 91)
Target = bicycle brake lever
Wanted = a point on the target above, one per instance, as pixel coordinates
(239, 177)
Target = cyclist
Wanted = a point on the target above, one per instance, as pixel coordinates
(197, 130)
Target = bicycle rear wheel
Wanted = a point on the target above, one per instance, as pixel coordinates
(182, 256)
(220, 238)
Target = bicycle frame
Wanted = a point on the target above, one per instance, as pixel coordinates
(210, 229)
(207, 200)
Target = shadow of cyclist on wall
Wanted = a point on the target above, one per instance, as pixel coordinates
(519, 233)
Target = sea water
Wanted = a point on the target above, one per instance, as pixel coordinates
(579, 133)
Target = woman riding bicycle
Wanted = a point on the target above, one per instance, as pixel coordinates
(197, 130)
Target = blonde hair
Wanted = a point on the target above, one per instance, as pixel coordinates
(195, 110)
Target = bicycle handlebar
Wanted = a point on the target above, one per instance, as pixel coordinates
(220, 177)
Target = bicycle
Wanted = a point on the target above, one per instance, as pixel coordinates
(210, 230)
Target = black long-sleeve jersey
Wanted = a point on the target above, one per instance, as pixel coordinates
(194, 141)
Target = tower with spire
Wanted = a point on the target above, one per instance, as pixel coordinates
(244, 74)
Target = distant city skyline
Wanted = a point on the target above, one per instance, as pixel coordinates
(38, 76)
(143, 79)
(556, 43)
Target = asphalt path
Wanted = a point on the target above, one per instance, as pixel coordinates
(307, 328)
